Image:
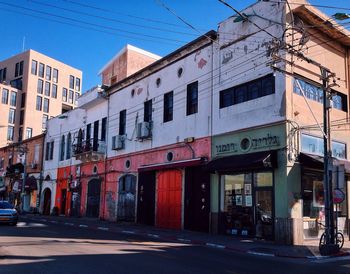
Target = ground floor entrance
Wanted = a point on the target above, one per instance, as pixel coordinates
(93, 198)
(247, 204)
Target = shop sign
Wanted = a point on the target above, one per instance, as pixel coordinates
(338, 196)
(246, 144)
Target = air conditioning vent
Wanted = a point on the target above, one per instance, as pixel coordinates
(144, 130)
(118, 142)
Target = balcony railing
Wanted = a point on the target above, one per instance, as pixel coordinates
(89, 146)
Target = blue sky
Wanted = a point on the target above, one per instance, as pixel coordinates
(81, 41)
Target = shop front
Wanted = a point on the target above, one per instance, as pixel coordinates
(244, 171)
(312, 186)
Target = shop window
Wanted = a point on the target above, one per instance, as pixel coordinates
(263, 179)
(314, 145)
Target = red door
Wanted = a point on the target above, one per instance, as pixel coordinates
(169, 197)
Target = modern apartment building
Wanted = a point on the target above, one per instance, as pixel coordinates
(34, 88)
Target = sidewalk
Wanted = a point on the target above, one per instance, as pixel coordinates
(242, 245)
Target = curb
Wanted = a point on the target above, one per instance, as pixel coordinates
(187, 241)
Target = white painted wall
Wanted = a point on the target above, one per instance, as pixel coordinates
(182, 126)
(241, 61)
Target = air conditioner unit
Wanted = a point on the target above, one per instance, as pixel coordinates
(118, 142)
(144, 130)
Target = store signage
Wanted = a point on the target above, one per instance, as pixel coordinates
(246, 144)
(338, 196)
(224, 148)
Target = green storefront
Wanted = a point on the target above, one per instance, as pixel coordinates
(249, 183)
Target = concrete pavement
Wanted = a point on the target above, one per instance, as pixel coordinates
(242, 245)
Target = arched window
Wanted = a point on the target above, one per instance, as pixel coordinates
(69, 146)
(63, 141)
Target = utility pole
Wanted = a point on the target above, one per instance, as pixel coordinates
(327, 158)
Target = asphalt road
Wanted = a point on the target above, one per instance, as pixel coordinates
(48, 248)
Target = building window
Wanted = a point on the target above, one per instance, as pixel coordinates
(313, 91)
(69, 146)
(71, 96)
(48, 73)
(44, 121)
(46, 106)
(13, 98)
(104, 129)
(55, 76)
(64, 94)
(34, 69)
(77, 84)
(54, 91)
(23, 99)
(21, 117)
(17, 83)
(71, 81)
(10, 133)
(5, 96)
(168, 107)
(41, 70)
(20, 134)
(19, 69)
(122, 122)
(3, 74)
(76, 98)
(11, 119)
(247, 91)
(63, 145)
(49, 150)
(39, 101)
(192, 98)
(314, 145)
(88, 132)
(29, 133)
(40, 86)
(147, 111)
(47, 88)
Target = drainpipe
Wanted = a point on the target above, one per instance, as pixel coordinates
(41, 173)
(105, 163)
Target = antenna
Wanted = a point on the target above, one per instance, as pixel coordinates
(23, 43)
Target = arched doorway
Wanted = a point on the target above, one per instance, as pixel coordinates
(126, 198)
(93, 198)
(47, 202)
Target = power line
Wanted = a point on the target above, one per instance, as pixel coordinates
(92, 24)
(110, 19)
(312, 5)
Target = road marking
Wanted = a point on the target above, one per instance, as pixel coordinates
(103, 228)
(44, 220)
(215, 245)
(71, 224)
(83, 226)
(54, 222)
(328, 259)
(153, 235)
(128, 232)
(261, 254)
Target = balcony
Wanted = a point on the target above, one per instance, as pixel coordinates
(89, 150)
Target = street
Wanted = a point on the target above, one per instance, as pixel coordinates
(34, 247)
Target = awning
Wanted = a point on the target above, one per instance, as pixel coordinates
(31, 183)
(175, 164)
(316, 161)
(234, 163)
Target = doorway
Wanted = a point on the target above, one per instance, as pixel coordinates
(47, 202)
(126, 198)
(63, 201)
(197, 199)
(263, 213)
(146, 198)
(93, 198)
